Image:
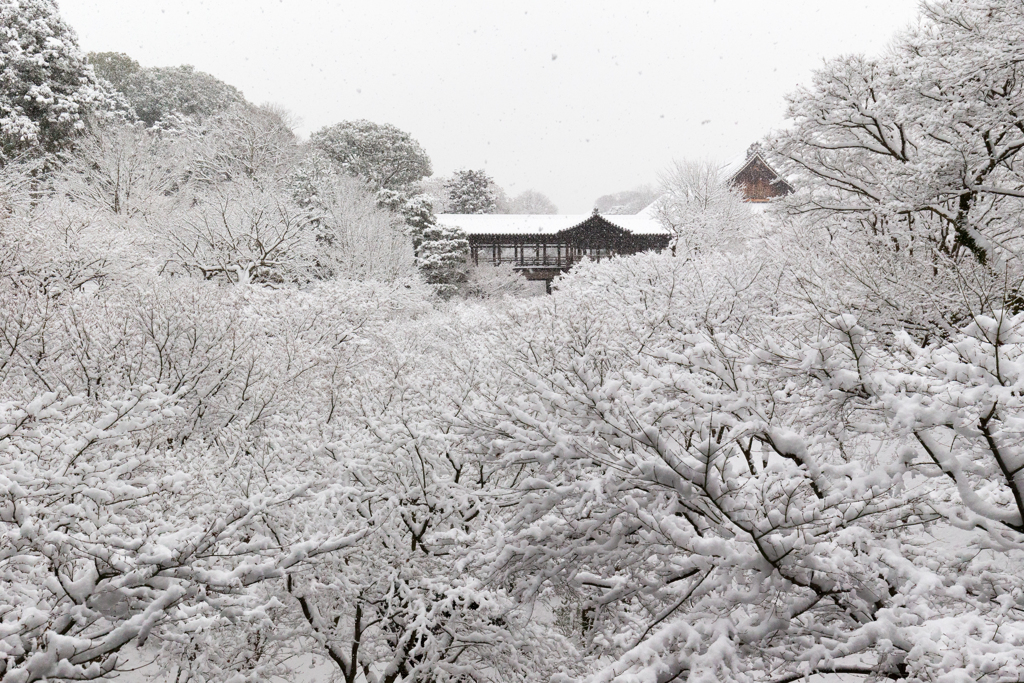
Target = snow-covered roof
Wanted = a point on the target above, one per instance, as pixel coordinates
(732, 169)
(642, 223)
(542, 224)
(651, 210)
(736, 164)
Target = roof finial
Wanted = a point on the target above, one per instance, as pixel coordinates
(595, 211)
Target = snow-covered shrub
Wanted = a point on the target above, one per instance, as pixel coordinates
(494, 282)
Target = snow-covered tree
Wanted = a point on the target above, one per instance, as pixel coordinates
(354, 236)
(243, 231)
(627, 202)
(244, 142)
(920, 291)
(381, 154)
(402, 609)
(58, 244)
(416, 208)
(700, 207)
(143, 463)
(923, 143)
(531, 201)
(488, 281)
(115, 68)
(173, 96)
(716, 502)
(433, 189)
(48, 89)
(236, 214)
(124, 170)
(97, 552)
(470, 191)
(441, 257)
(760, 465)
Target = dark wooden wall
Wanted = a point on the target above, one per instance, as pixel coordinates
(760, 183)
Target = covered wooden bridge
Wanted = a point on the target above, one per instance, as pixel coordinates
(541, 246)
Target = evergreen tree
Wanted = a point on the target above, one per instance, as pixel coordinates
(471, 191)
(380, 154)
(162, 94)
(47, 89)
(441, 257)
(116, 68)
(415, 209)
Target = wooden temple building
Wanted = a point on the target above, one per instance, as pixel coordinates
(541, 246)
(755, 177)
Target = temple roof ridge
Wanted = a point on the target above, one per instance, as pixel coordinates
(545, 224)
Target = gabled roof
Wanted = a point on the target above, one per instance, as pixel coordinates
(731, 168)
(543, 224)
(735, 166)
(753, 156)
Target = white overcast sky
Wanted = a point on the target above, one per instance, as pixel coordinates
(572, 98)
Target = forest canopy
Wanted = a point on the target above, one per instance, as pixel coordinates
(258, 416)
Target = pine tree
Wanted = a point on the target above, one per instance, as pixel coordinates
(471, 191)
(441, 257)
